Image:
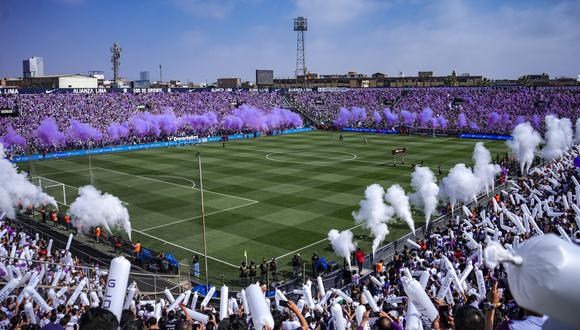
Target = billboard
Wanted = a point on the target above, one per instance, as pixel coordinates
(264, 77)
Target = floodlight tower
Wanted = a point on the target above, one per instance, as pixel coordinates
(300, 26)
(116, 61)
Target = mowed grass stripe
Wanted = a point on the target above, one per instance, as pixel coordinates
(297, 203)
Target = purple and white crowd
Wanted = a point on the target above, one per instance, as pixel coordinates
(510, 262)
(450, 280)
(50, 122)
(442, 282)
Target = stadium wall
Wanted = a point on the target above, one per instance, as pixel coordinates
(461, 136)
(484, 136)
(370, 130)
(153, 145)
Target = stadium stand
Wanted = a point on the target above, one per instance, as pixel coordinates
(471, 271)
(119, 118)
(47, 285)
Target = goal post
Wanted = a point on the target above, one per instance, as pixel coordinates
(56, 189)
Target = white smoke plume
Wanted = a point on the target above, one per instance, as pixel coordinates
(484, 169)
(400, 202)
(426, 190)
(460, 185)
(374, 214)
(524, 143)
(342, 243)
(567, 132)
(558, 137)
(577, 136)
(93, 208)
(15, 188)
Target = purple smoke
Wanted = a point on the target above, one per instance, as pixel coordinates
(12, 138)
(198, 123)
(344, 117)
(168, 122)
(409, 117)
(462, 120)
(425, 117)
(117, 131)
(144, 124)
(442, 122)
(232, 123)
(377, 117)
(392, 118)
(282, 118)
(536, 120)
(253, 118)
(519, 120)
(209, 120)
(473, 125)
(358, 114)
(83, 132)
(493, 118)
(505, 119)
(48, 133)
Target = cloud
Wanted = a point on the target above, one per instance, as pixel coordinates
(206, 8)
(335, 12)
(497, 40)
(210, 59)
(506, 40)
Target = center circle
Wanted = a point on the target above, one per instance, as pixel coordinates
(310, 157)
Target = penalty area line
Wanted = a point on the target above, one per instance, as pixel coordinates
(173, 184)
(184, 248)
(199, 216)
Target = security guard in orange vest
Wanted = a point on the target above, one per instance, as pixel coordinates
(67, 221)
(54, 218)
(98, 233)
(137, 249)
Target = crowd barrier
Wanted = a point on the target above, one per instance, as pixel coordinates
(484, 136)
(461, 136)
(138, 90)
(370, 130)
(152, 145)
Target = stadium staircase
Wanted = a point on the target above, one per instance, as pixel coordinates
(291, 105)
(396, 101)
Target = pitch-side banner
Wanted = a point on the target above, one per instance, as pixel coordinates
(485, 136)
(153, 145)
(18, 91)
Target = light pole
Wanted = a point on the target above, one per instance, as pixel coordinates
(198, 155)
(91, 166)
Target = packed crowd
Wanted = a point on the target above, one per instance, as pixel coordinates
(50, 122)
(39, 281)
(487, 110)
(449, 280)
(450, 263)
(116, 118)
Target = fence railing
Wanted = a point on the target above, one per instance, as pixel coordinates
(387, 252)
(149, 282)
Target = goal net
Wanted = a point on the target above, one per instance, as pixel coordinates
(62, 193)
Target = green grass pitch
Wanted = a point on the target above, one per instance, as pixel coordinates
(271, 197)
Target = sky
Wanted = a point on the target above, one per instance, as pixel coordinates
(202, 40)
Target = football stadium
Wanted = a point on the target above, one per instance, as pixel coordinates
(316, 201)
(292, 188)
